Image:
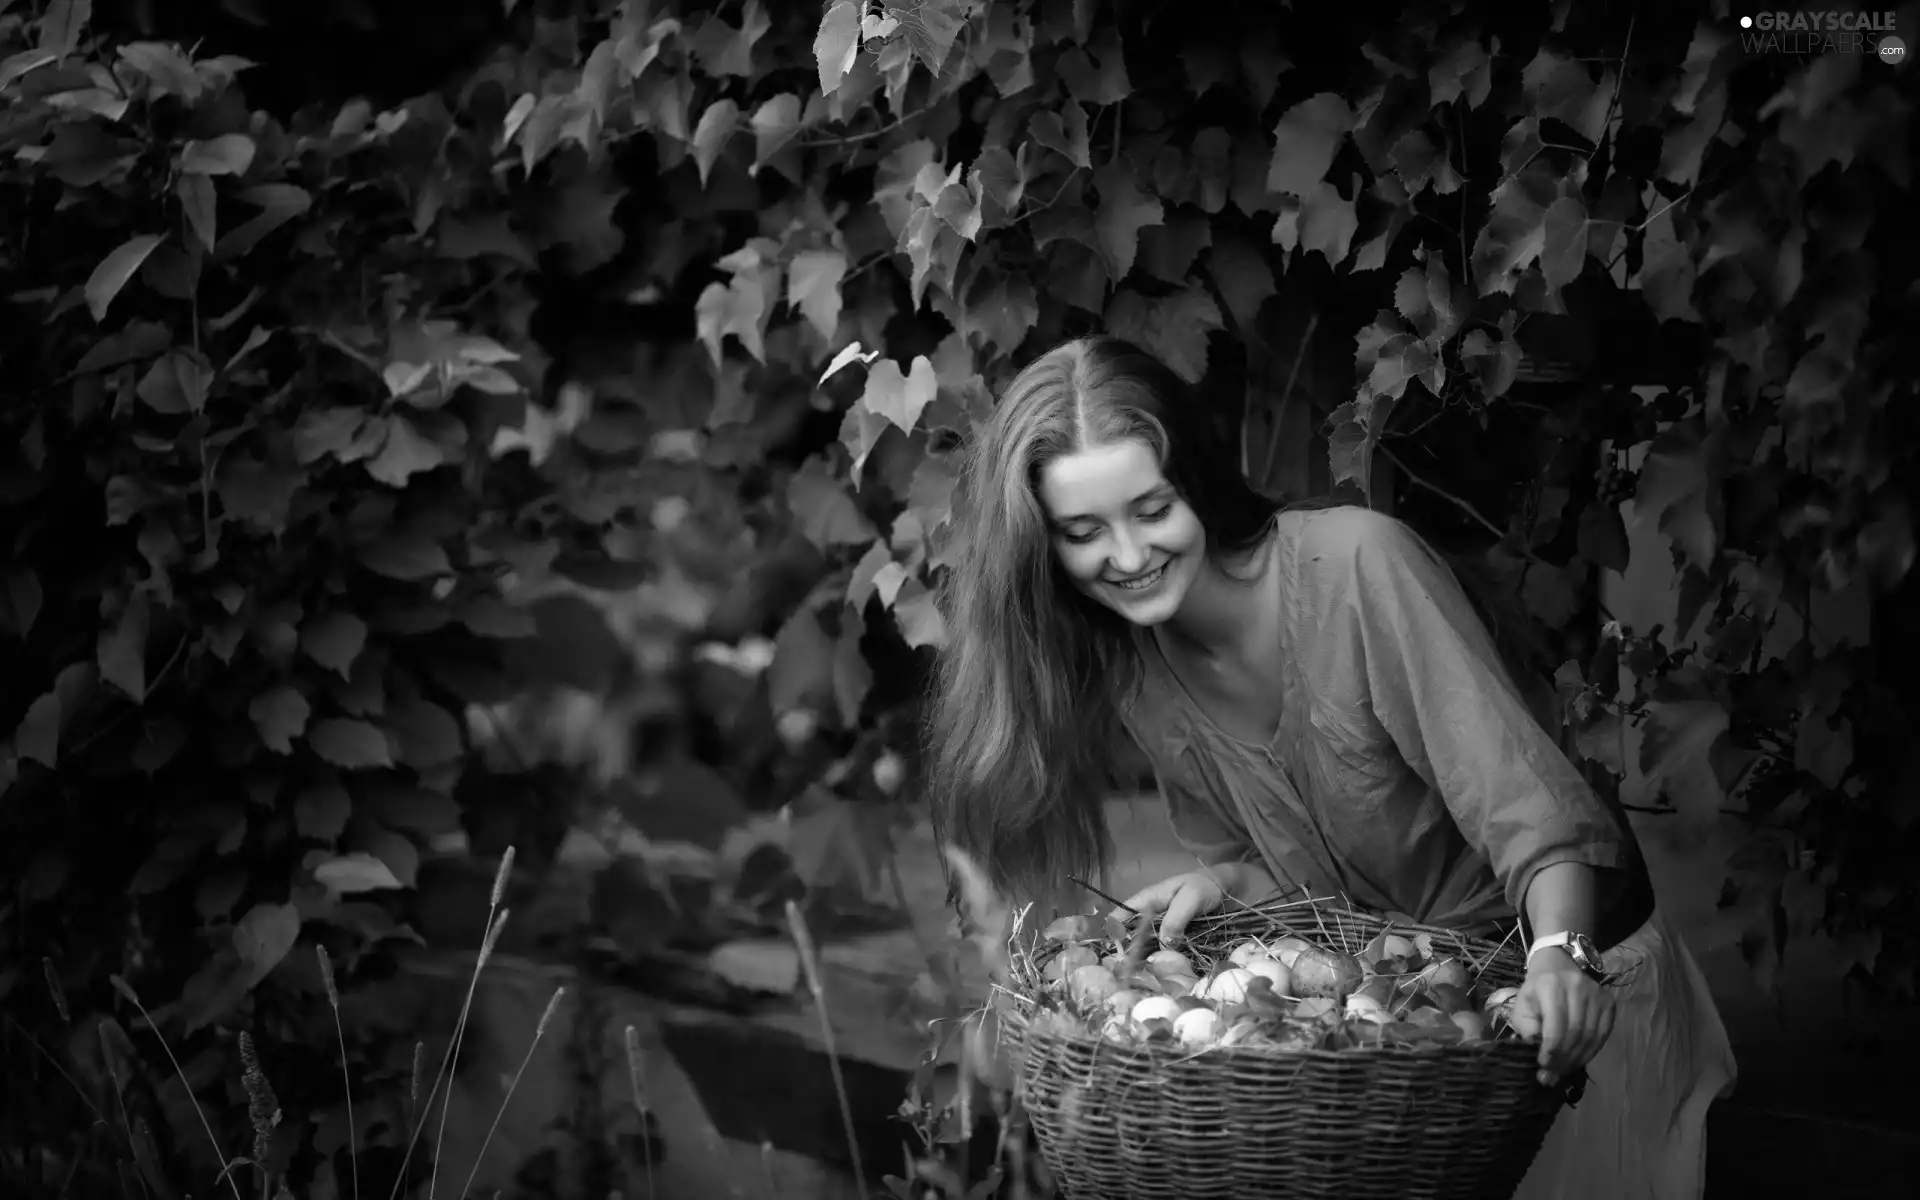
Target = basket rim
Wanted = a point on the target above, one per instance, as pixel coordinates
(1158, 1055)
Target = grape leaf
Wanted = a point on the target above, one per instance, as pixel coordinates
(1306, 140)
(1240, 270)
(1063, 131)
(1667, 272)
(836, 45)
(929, 27)
(264, 936)
(738, 307)
(1563, 252)
(724, 50)
(113, 271)
(1674, 490)
(1515, 232)
(919, 616)
(826, 515)
(1096, 74)
(403, 454)
(1173, 328)
(351, 874)
(813, 287)
(1124, 210)
(710, 136)
(350, 744)
(123, 649)
(1327, 223)
(1168, 250)
(900, 398)
(1494, 363)
(775, 123)
(280, 714)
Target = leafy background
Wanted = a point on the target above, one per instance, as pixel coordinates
(527, 418)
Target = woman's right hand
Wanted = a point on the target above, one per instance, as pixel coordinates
(1181, 899)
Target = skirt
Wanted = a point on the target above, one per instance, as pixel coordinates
(1639, 1132)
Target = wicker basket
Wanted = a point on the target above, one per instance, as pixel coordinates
(1164, 1123)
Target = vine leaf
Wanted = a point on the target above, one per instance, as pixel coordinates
(1305, 142)
(930, 28)
(826, 515)
(1065, 133)
(334, 640)
(1563, 250)
(837, 44)
(1674, 491)
(900, 399)
(710, 136)
(1124, 211)
(1096, 74)
(813, 287)
(114, 270)
(1173, 328)
(1241, 272)
(1328, 222)
(228, 154)
(37, 738)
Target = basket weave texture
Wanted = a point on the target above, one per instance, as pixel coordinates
(1255, 1123)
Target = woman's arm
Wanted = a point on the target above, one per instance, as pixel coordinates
(1561, 899)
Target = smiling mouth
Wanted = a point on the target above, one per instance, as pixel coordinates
(1143, 582)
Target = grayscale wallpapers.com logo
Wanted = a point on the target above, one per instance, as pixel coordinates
(1829, 32)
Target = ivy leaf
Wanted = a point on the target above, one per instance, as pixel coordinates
(1564, 251)
(1515, 232)
(1667, 272)
(228, 154)
(37, 737)
(1168, 250)
(264, 936)
(710, 136)
(774, 124)
(738, 307)
(1464, 69)
(1063, 131)
(1124, 210)
(123, 650)
(1174, 328)
(813, 287)
(837, 44)
(825, 513)
(405, 554)
(900, 398)
(1674, 490)
(351, 874)
(280, 714)
(321, 812)
(350, 744)
(1327, 223)
(929, 27)
(1308, 136)
(724, 50)
(801, 674)
(114, 270)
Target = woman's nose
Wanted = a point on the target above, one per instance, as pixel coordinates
(1129, 555)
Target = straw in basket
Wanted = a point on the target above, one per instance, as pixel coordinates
(1444, 1117)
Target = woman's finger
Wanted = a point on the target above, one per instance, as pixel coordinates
(1154, 898)
(1189, 902)
(1552, 1007)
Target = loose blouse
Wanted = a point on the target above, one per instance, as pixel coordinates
(1406, 773)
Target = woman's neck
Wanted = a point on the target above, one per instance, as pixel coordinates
(1221, 614)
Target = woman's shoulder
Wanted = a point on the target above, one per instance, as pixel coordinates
(1346, 533)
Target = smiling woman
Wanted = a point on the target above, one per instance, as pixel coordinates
(1323, 707)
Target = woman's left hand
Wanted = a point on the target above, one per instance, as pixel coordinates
(1575, 1014)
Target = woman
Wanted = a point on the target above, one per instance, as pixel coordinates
(1323, 709)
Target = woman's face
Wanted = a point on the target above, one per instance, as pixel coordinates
(1124, 535)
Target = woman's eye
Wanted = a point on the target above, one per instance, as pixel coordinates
(1080, 537)
(1158, 514)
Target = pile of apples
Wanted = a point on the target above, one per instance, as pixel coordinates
(1286, 993)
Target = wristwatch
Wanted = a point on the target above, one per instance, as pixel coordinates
(1579, 948)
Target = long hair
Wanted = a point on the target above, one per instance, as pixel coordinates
(1025, 715)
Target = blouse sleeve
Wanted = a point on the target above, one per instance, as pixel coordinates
(1432, 679)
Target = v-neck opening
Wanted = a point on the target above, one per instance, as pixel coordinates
(1199, 710)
